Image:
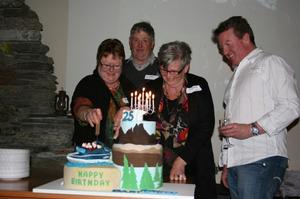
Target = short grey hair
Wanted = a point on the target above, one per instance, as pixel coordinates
(176, 50)
(143, 26)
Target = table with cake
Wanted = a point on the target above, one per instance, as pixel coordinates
(48, 183)
(131, 168)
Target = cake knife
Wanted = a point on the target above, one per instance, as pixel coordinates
(97, 130)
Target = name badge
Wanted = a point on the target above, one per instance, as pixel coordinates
(193, 89)
(151, 77)
(125, 100)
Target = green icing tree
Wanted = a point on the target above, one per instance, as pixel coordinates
(158, 176)
(146, 179)
(126, 174)
(132, 179)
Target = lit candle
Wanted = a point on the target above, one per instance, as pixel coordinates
(135, 95)
(139, 101)
(153, 102)
(146, 102)
(149, 104)
(131, 100)
(143, 97)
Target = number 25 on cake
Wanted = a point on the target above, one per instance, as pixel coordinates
(137, 155)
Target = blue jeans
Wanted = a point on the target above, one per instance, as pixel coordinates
(258, 180)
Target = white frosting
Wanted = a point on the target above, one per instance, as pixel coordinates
(136, 147)
(135, 117)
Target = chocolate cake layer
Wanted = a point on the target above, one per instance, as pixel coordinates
(137, 135)
(138, 155)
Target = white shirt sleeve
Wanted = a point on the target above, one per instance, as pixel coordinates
(284, 92)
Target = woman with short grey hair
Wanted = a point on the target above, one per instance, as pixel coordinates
(185, 124)
(174, 50)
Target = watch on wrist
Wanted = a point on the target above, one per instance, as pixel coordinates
(254, 129)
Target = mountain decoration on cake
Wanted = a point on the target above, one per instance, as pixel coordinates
(136, 135)
(146, 182)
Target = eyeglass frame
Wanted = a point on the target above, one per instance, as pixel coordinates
(107, 66)
(171, 72)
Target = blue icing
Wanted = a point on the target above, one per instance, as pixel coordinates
(149, 126)
(157, 192)
(79, 164)
(91, 156)
(103, 150)
(84, 156)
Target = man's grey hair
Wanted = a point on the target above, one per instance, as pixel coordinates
(143, 26)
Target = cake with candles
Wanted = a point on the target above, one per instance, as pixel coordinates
(134, 164)
(137, 154)
(91, 168)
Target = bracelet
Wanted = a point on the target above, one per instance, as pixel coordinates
(83, 115)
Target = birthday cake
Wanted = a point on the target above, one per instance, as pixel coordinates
(137, 154)
(91, 168)
(134, 164)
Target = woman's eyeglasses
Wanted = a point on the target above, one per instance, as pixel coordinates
(108, 66)
(171, 72)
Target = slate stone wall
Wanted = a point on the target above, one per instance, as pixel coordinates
(28, 85)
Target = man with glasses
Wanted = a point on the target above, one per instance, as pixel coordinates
(142, 66)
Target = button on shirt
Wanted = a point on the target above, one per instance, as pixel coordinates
(262, 89)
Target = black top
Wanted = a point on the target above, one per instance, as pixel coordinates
(94, 88)
(197, 151)
(136, 77)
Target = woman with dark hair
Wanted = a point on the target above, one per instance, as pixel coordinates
(98, 96)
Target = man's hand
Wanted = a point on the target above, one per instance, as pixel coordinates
(235, 130)
(224, 176)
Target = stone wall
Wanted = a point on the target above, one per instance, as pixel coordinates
(27, 85)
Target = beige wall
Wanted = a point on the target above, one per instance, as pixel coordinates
(53, 14)
(73, 30)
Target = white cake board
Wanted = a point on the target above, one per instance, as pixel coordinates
(184, 191)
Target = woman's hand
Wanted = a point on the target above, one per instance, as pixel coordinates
(93, 116)
(89, 115)
(117, 120)
(178, 170)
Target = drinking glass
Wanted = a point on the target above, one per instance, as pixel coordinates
(227, 143)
